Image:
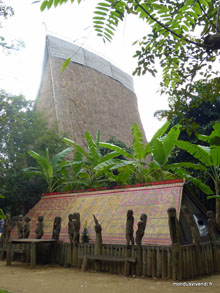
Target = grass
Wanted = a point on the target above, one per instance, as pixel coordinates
(4, 291)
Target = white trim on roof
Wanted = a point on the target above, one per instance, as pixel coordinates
(62, 49)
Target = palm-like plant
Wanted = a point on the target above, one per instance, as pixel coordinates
(51, 169)
(85, 174)
(137, 168)
(209, 156)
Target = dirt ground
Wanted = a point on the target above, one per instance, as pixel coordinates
(19, 278)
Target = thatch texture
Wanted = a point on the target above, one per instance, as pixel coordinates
(91, 94)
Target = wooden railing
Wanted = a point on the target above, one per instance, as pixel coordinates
(163, 262)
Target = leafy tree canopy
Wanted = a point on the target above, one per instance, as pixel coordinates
(7, 11)
(184, 38)
(21, 129)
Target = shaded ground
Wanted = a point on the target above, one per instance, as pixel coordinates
(19, 278)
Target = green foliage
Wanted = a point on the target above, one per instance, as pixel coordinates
(209, 156)
(2, 214)
(138, 169)
(84, 172)
(52, 170)
(85, 234)
(21, 130)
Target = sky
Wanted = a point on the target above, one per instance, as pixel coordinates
(20, 72)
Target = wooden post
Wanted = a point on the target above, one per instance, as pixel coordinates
(84, 264)
(9, 245)
(169, 260)
(33, 255)
(154, 263)
(139, 265)
(75, 256)
(194, 262)
(191, 263)
(127, 268)
(149, 262)
(164, 264)
(2, 249)
(176, 248)
(159, 262)
(145, 261)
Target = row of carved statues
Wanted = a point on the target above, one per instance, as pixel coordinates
(23, 227)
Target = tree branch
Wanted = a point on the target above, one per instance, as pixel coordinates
(218, 16)
(215, 26)
(168, 29)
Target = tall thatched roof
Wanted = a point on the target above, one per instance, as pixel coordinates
(91, 94)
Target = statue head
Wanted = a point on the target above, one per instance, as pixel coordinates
(27, 219)
(130, 213)
(20, 218)
(171, 212)
(77, 216)
(57, 220)
(210, 215)
(41, 219)
(95, 219)
(143, 217)
(70, 217)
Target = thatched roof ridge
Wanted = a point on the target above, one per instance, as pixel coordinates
(62, 49)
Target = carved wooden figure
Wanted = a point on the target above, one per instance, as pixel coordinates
(26, 229)
(70, 228)
(211, 225)
(56, 228)
(76, 228)
(173, 225)
(176, 248)
(141, 229)
(20, 226)
(98, 239)
(7, 227)
(130, 228)
(40, 228)
(190, 220)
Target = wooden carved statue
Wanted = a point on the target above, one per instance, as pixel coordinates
(191, 221)
(70, 228)
(7, 227)
(176, 248)
(211, 225)
(20, 226)
(130, 228)
(56, 228)
(98, 239)
(141, 229)
(76, 228)
(26, 228)
(40, 228)
(173, 225)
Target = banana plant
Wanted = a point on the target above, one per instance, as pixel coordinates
(84, 171)
(52, 170)
(209, 156)
(161, 147)
(139, 166)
